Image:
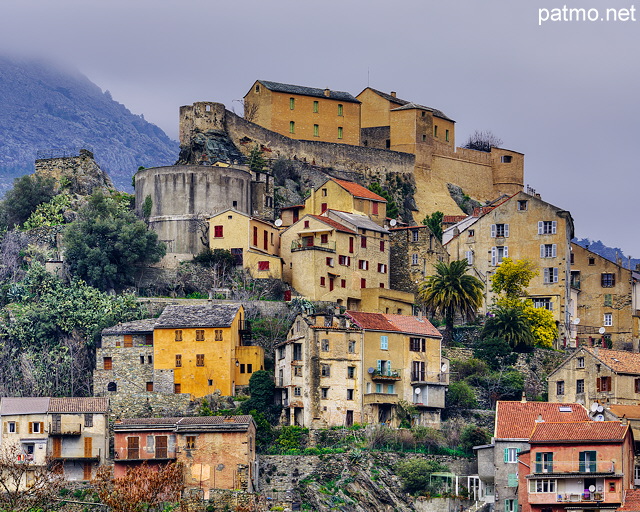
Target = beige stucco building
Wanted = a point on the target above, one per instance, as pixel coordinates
(358, 368)
(520, 226)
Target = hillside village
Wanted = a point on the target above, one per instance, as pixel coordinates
(275, 304)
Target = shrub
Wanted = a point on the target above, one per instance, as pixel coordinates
(460, 396)
(415, 475)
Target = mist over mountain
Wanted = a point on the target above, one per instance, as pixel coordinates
(45, 111)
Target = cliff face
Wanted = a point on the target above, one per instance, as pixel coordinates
(46, 112)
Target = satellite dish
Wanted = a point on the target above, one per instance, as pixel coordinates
(592, 488)
(370, 370)
(278, 222)
(599, 417)
(594, 407)
(576, 321)
(443, 368)
(417, 391)
(601, 330)
(600, 408)
(393, 222)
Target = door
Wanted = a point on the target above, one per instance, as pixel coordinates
(56, 426)
(57, 447)
(161, 447)
(133, 448)
(86, 471)
(349, 418)
(88, 447)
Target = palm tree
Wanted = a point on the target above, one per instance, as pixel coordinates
(451, 290)
(510, 323)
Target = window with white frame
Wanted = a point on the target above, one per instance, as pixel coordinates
(547, 227)
(608, 319)
(499, 230)
(498, 254)
(580, 362)
(414, 259)
(550, 275)
(542, 485)
(542, 302)
(469, 256)
(415, 235)
(548, 250)
(384, 342)
(511, 454)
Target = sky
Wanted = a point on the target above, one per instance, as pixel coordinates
(561, 89)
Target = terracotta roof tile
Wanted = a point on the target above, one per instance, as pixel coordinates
(516, 420)
(79, 405)
(612, 431)
(620, 361)
(359, 190)
(373, 321)
(453, 219)
(414, 325)
(334, 224)
(628, 411)
(631, 501)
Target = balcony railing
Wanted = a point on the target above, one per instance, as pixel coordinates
(430, 377)
(579, 497)
(574, 466)
(380, 398)
(386, 374)
(65, 430)
(303, 244)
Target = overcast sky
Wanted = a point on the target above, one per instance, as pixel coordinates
(564, 93)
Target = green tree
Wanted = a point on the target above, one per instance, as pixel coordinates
(392, 207)
(460, 396)
(451, 291)
(511, 324)
(434, 222)
(473, 435)
(415, 475)
(496, 353)
(49, 213)
(256, 162)
(543, 325)
(262, 390)
(107, 242)
(512, 278)
(27, 193)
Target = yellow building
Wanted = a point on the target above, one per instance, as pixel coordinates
(205, 347)
(255, 243)
(605, 300)
(341, 195)
(520, 227)
(336, 370)
(304, 112)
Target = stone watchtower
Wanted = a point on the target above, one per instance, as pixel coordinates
(201, 117)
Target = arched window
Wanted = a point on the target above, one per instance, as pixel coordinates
(112, 386)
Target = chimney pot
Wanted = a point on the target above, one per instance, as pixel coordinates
(327, 92)
(393, 94)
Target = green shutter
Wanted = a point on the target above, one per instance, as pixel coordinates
(538, 463)
(515, 505)
(506, 454)
(582, 457)
(512, 480)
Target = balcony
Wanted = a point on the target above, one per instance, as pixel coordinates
(582, 497)
(386, 375)
(429, 378)
(307, 244)
(572, 467)
(380, 398)
(65, 430)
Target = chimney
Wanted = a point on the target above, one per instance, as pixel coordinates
(327, 92)
(623, 421)
(393, 94)
(524, 398)
(539, 419)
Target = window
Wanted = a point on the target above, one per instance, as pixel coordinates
(603, 384)
(199, 334)
(323, 281)
(544, 462)
(384, 342)
(542, 485)
(414, 259)
(292, 103)
(36, 427)
(608, 280)
(107, 363)
(349, 394)
(587, 461)
(580, 362)
(297, 351)
(363, 283)
(446, 135)
(128, 340)
(498, 254)
(343, 283)
(177, 388)
(435, 130)
(330, 262)
(351, 372)
(340, 109)
(378, 388)
(417, 344)
(381, 245)
(608, 299)
(547, 227)
(548, 250)
(608, 319)
(281, 352)
(415, 235)
(580, 386)
(141, 359)
(263, 265)
(11, 427)
(560, 387)
(178, 334)
(324, 239)
(506, 159)
(382, 268)
(112, 386)
(325, 345)
(469, 256)
(363, 242)
(499, 230)
(637, 385)
(391, 389)
(340, 132)
(352, 347)
(218, 231)
(210, 382)
(150, 386)
(325, 370)
(550, 275)
(542, 302)
(592, 261)
(472, 233)
(363, 264)
(510, 505)
(297, 391)
(511, 454)
(572, 258)
(249, 368)
(190, 442)
(242, 368)
(315, 106)
(297, 371)
(316, 130)
(292, 127)
(218, 334)
(344, 260)
(178, 360)
(324, 393)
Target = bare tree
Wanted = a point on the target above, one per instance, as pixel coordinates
(25, 486)
(483, 141)
(250, 111)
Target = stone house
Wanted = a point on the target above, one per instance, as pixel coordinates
(70, 431)
(606, 298)
(498, 461)
(307, 113)
(597, 375)
(415, 250)
(255, 243)
(218, 452)
(196, 350)
(358, 368)
(521, 226)
(575, 466)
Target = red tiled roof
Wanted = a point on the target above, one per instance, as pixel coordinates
(373, 321)
(79, 405)
(359, 190)
(516, 420)
(620, 361)
(414, 325)
(628, 411)
(630, 501)
(612, 431)
(334, 224)
(453, 219)
(292, 206)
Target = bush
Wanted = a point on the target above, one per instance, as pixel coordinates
(415, 475)
(473, 435)
(292, 437)
(468, 368)
(496, 353)
(460, 396)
